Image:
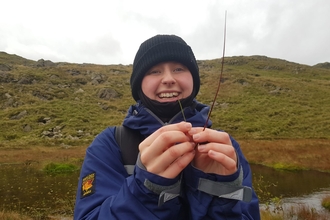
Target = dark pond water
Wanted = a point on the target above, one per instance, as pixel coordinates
(28, 190)
(290, 183)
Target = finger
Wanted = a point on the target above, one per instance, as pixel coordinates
(209, 135)
(178, 165)
(161, 144)
(182, 126)
(168, 157)
(225, 149)
(228, 163)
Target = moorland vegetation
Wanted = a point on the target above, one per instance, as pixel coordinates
(278, 110)
(46, 103)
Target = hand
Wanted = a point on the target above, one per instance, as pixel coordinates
(214, 153)
(168, 150)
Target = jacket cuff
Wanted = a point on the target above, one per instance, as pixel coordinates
(229, 187)
(230, 190)
(165, 192)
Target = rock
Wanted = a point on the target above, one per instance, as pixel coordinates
(53, 132)
(19, 115)
(27, 128)
(81, 81)
(4, 67)
(25, 80)
(6, 77)
(74, 72)
(42, 95)
(45, 63)
(241, 81)
(94, 82)
(79, 91)
(54, 76)
(44, 120)
(224, 105)
(97, 78)
(107, 93)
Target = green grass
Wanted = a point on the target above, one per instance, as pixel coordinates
(60, 168)
(260, 98)
(289, 167)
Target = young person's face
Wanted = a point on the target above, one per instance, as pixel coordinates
(167, 82)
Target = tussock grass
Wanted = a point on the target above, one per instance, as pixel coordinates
(266, 215)
(326, 203)
(300, 212)
(7, 215)
(289, 154)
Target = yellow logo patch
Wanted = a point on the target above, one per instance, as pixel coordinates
(88, 185)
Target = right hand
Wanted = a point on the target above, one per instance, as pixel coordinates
(168, 150)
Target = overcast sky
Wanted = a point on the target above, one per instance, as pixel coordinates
(111, 31)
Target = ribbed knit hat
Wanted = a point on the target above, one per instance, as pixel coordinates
(162, 48)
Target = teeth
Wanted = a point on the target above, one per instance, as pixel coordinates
(168, 95)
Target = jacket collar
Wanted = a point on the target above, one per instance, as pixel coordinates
(141, 118)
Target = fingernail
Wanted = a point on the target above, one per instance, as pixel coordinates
(201, 147)
(196, 136)
(211, 153)
(188, 125)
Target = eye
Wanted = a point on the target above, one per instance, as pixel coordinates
(179, 69)
(153, 71)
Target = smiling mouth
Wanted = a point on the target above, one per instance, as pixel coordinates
(168, 95)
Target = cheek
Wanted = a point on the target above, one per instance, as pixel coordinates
(188, 85)
(148, 86)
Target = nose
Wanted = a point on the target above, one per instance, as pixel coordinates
(168, 78)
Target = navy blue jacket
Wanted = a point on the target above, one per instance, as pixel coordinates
(106, 191)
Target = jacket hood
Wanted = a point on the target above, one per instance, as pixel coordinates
(142, 119)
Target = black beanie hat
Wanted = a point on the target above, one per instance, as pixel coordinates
(162, 48)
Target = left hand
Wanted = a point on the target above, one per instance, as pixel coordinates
(215, 153)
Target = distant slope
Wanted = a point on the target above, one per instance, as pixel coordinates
(325, 65)
(46, 103)
(12, 59)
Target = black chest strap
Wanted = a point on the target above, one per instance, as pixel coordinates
(128, 141)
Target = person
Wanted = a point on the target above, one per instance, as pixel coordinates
(182, 171)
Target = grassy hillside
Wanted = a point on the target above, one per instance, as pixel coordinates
(46, 103)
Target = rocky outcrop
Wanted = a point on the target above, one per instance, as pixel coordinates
(6, 77)
(4, 67)
(107, 93)
(45, 63)
(20, 115)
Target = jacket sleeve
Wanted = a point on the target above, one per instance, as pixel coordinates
(106, 191)
(204, 205)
